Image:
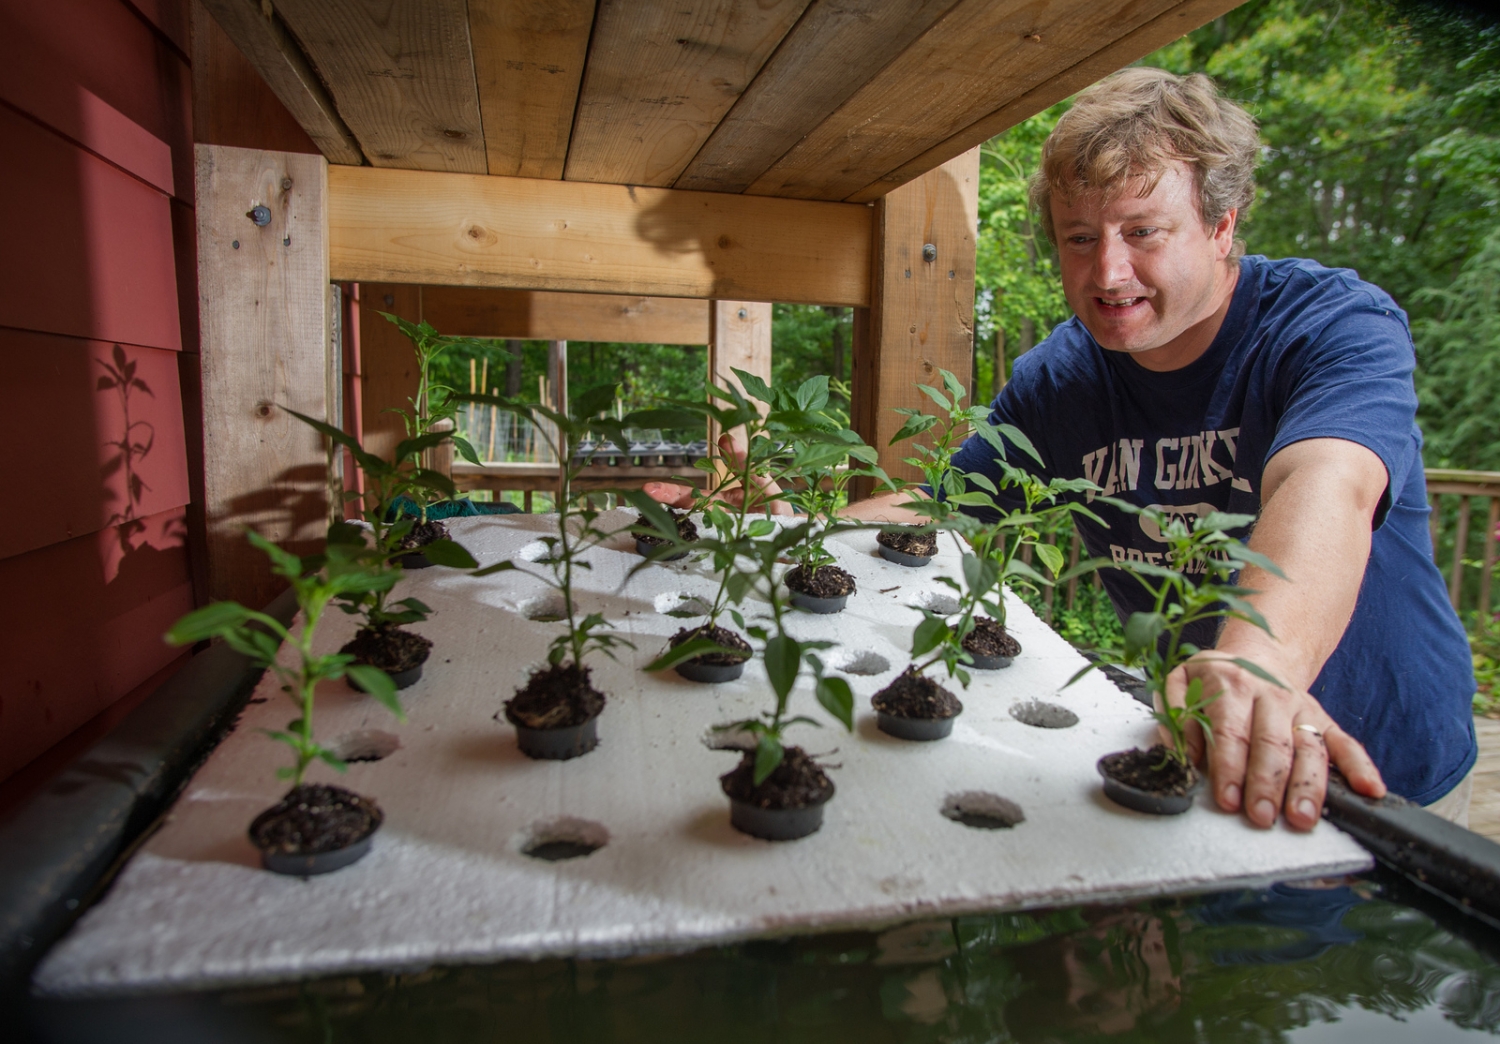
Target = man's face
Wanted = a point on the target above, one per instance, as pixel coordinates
(1143, 273)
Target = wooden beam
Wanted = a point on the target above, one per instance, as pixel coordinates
(1160, 31)
(934, 89)
(263, 39)
(264, 330)
(528, 59)
(547, 316)
(402, 75)
(659, 79)
(739, 339)
(531, 234)
(921, 314)
(832, 51)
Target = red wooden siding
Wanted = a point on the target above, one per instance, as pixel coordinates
(96, 282)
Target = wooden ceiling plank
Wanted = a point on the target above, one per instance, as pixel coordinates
(528, 58)
(407, 226)
(1158, 32)
(542, 315)
(659, 79)
(836, 47)
(402, 75)
(978, 57)
(267, 45)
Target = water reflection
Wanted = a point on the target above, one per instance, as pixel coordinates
(1239, 966)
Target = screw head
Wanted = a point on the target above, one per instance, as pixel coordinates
(929, 252)
(286, 184)
(744, 314)
(235, 244)
(260, 214)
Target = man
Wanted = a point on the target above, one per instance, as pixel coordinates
(1199, 380)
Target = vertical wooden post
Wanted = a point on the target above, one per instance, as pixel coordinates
(739, 338)
(264, 325)
(1489, 560)
(1460, 545)
(388, 362)
(921, 314)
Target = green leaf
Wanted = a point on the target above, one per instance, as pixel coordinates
(783, 657)
(915, 425)
(595, 401)
(1257, 670)
(689, 649)
(466, 450)
(1141, 632)
(209, 622)
(498, 567)
(449, 553)
(951, 383)
(837, 699)
(929, 634)
(936, 396)
(768, 755)
(1016, 437)
(760, 527)
(754, 386)
(1051, 556)
(379, 685)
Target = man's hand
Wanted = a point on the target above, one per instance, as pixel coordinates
(764, 496)
(1264, 758)
(1318, 501)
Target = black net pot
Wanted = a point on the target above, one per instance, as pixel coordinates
(401, 679)
(902, 558)
(299, 865)
(775, 824)
(415, 560)
(821, 606)
(918, 730)
(1148, 801)
(990, 663)
(644, 549)
(571, 741)
(712, 673)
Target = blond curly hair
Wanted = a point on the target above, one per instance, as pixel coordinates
(1129, 127)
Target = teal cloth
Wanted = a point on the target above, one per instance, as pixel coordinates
(449, 509)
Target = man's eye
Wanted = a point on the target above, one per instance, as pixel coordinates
(1080, 240)
(1141, 233)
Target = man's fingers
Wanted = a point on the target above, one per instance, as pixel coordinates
(669, 493)
(1230, 754)
(1349, 755)
(1309, 779)
(1271, 754)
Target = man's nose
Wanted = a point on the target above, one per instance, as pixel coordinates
(1112, 266)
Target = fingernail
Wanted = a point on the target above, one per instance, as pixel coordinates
(1231, 798)
(1307, 809)
(1265, 812)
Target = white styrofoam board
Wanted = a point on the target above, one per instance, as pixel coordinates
(447, 882)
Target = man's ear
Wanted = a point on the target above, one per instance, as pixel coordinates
(1224, 232)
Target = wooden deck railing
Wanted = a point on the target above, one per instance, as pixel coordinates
(1466, 486)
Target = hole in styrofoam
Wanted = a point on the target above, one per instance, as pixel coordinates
(940, 602)
(547, 608)
(982, 810)
(364, 745)
(554, 840)
(536, 551)
(1043, 715)
(681, 605)
(862, 662)
(728, 737)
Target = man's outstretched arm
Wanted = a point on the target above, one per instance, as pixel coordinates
(1318, 501)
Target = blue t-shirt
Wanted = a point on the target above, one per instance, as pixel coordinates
(1305, 352)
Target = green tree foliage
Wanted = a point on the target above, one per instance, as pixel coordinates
(1458, 375)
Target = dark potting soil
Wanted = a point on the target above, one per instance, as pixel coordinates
(914, 695)
(422, 534)
(315, 818)
(1143, 769)
(687, 529)
(909, 542)
(826, 581)
(388, 647)
(989, 638)
(555, 697)
(798, 782)
(717, 635)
